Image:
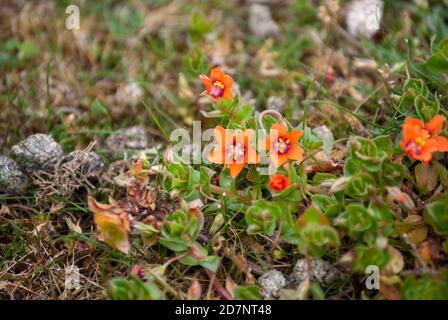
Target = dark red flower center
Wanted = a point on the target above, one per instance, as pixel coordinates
(217, 89)
(415, 146)
(235, 152)
(282, 145)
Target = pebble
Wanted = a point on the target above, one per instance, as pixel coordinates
(128, 138)
(261, 23)
(321, 271)
(37, 152)
(272, 282)
(12, 179)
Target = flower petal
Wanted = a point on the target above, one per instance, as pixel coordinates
(235, 169)
(227, 81)
(435, 125)
(206, 81)
(217, 75)
(217, 155)
(223, 136)
(265, 144)
(294, 136)
(413, 131)
(413, 122)
(425, 153)
(295, 153)
(278, 159)
(227, 94)
(277, 130)
(251, 156)
(424, 156)
(245, 137)
(441, 143)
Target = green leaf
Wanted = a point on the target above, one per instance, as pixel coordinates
(325, 134)
(247, 293)
(359, 220)
(242, 113)
(320, 177)
(328, 205)
(262, 217)
(208, 262)
(316, 291)
(426, 178)
(316, 235)
(196, 63)
(425, 108)
(436, 215)
(425, 288)
(442, 173)
(384, 143)
(359, 186)
(133, 289)
(27, 50)
(369, 255)
(391, 173)
(199, 27)
(438, 62)
(226, 180)
(180, 229)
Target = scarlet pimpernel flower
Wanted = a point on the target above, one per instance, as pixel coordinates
(233, 150)
(420, 139)
(278, 182)
(219, 85)
(283, 145)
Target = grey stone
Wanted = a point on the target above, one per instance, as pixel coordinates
(272, 282)
(12, 179)
(321, 271)
(37, 152)
(261, 23)
(128, 138)
(91, 164)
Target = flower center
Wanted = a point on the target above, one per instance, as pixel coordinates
(282, 145)
(415, 147)
(235, 152)
(217, 89)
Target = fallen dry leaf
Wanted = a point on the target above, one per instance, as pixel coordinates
(396, 261)
(112, 223)
(321, 162)
(430, 251)
(195, 291)
(415, 228)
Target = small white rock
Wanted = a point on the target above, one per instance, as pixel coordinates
(272, 282)
(261, 23)
(37, 152)
(128, 138)
(130, 93)
(321, 271)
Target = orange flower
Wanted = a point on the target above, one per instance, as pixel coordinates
(421, 140)
(219, 85)
(282, 145)
(233, 150)
(279, 182)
